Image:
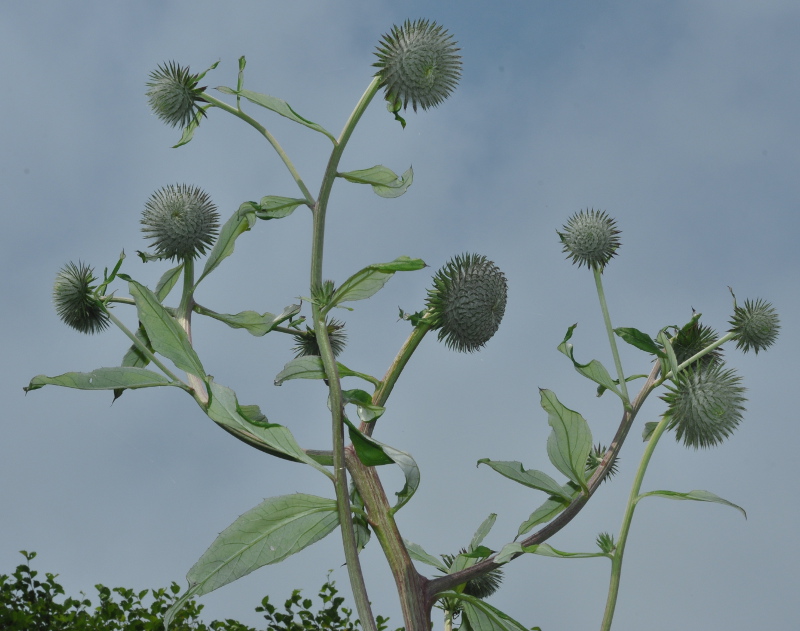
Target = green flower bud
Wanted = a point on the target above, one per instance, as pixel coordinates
(306, 341)
(606, 542)
(417, 62)
(705, 405)
(590, 238)
(594, 459)
(756, 325)
(467, 302)
(481, 586)
(692, 339)
(75, 302)
(173, 94)
(181, 220)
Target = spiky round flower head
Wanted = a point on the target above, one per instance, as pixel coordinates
(418, 62)
(692, 339)
(467, 301)
(756, 325)
(306, 342)
(705, 405)
(173, 94)
(595, 458)
(75, 302)
(481, 586)
(181, 220)
(590, 238)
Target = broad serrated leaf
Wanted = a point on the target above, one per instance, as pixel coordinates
(640, 340)
(416, 552)
(224, 409)
(117, 377)
(570, 442)
(240, 221)
(269, 533)
(697, 496)
(166, 335)
(594, 370)
(383, 180)
(279, 106)
(275, 207)
(373, 453)
(253, 322)
(368, 281)
(532, 478)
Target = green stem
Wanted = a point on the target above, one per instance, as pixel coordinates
(598, 279)
(725, 338)
(633, 498)
(270, 138)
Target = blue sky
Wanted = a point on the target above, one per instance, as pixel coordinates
(678, 118)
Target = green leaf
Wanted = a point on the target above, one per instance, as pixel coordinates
(570, 442)
(134, 357)
(373, 453)
(367, 411)
(167, 282)
(369, 280)
(240, 221)
(640, 340)
(269, 533)
(278, 106)
(648, 430)
(274, 207)
(255, 323)
(167, 336)
(360, 524)
(482, 531)
(550, 508)
(697, 496)
(529, 477)
(224, 409)
(594, 370)
(481, 616)
(416, 552)
(672, 360)
(547, 550)
(384, 181)
(188, 131)
(310, 367)
(103, 379)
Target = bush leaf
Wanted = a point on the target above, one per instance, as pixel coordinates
(570, 442)
(240, 221)
(117, 377)
(697, 496)
(513, 470)
(383, 180)
(368, 281)
(594, 370)
(253, 322)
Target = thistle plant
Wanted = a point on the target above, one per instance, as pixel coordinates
(417, 64)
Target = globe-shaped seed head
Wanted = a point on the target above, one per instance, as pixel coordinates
(467, 302)
(693, 338)
(173, 94)
(590, 238)
(705, 405)
(755, 325)
(181, 220)
(75, 302)
(418, 63)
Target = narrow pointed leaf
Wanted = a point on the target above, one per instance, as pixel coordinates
(383, 180)
(369, 280)
(529, 477)
(188, 131)
(671, 359)
(103, 379)
(253, 322)
(241, 221)
(279, 106)
(167, 282)
(416, 552)
(310, 367)
(570, 442)
(269, 533)
(697, 496)
(166, 335)
(640, 340)
(594, 370)
(547, 550)
(550, 508)
(274, 207)
(482, 531)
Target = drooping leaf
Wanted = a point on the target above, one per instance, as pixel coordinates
(550, 508)
(275, 207)
(648, 430)
(279, 106)
(269, 533)
(547, 550)
(640, 340)
(384, 181)
(367, 411)
(254, 323)
(369, 280)
(532, 478)
(310, 367)
(697, 496)
(360, 524)
(166, 335)
(103, 379)
(240, 221)
(570, 442)
(188, 131)
(224, 409)
(416, 552)
(373, 453)
(594, 370)
(481, 616)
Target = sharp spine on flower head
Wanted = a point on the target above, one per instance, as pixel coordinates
(173, 94)
(75, 302)
(756, 325)
(590, 238)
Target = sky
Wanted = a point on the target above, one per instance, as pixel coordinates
(677, 118)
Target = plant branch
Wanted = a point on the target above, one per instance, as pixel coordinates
(598, 279)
